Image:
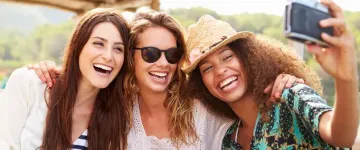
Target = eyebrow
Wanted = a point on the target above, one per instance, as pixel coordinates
(222, 51)
(202, 62)
(225, 49)
(105, 40)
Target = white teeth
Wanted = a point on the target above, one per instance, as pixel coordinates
(103, 67)
(227, 81)
(160, 74)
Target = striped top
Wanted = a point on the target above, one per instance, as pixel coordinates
(81, 143)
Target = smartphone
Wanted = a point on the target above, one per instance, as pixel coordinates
(301, 21)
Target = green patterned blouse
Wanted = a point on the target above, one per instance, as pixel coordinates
(294, 123)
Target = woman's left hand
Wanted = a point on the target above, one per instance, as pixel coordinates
(338, 60)
(282, 81)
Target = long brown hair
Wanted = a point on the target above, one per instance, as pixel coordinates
(264, 59)
(181, 118)
(109, 122)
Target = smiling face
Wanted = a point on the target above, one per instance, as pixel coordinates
(154, 76)
(224, 75)
(102, 56)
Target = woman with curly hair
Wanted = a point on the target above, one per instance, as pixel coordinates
(229, 72)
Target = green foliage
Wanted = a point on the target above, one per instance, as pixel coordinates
(45, 42)
(191, 15)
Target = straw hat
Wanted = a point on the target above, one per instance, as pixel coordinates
(206, 36)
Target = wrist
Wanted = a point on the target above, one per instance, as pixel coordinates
(349, 81)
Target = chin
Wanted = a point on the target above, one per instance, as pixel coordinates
(158, 89)
(232, 98)
(101, 85)
(229, 100)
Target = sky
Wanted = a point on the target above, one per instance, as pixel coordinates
(275, 7)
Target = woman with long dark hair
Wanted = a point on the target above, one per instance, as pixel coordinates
(85, 109)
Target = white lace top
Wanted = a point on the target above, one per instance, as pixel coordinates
(210, 129)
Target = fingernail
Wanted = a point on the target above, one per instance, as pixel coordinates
(288, 85)
(277, 95)
(50, 84)
(325, 35)
(54, 81)
(43, 79)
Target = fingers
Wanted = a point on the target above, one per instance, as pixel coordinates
(39, 73)
(46, 73)
(57, 70)
(336, 22)
(334, 8)
(334, 41)
(315, 50)
(290, 82)
(268, 88)
(29, 66)
(282, 81)
(300, 81)
(51, 69)
(279, 85)
(318, 51)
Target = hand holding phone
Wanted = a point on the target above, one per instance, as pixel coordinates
(339, 57)
(302, 19)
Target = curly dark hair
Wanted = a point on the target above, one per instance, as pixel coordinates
(264, 59)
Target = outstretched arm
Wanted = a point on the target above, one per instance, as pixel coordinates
(339, 127)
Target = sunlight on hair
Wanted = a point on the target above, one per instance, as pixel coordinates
(128, 15)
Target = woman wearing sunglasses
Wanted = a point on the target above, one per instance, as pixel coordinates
(163, 115)
(229, 71)
(86, 108)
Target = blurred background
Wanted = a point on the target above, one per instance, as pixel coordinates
(35, 30)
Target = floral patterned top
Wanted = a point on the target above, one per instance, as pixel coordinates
(294, 123)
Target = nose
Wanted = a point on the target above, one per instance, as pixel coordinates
(220, 70)
(107, 55)
(162, 62)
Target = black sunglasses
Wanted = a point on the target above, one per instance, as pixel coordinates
(152, 54)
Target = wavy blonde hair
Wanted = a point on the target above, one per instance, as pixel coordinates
(181, 118)
(264, 59)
